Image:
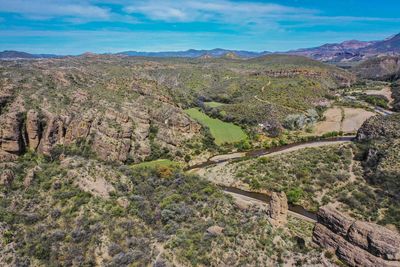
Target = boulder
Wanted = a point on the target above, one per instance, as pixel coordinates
(112, 136)
(77, 129)
(30, 175)
(215, 230)
(6, 177)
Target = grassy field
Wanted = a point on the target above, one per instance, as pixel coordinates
(223, 132)
(213, 104)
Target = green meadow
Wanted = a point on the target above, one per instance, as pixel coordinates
(223, 132)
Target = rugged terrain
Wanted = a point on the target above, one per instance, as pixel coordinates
(93, 153)
(345, 52)
(130, 109)
(352, 50)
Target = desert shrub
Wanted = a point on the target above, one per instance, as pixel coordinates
(294, 194)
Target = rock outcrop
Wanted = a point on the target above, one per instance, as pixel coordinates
(278, 208)
(379, 127)
(11, 138)
(33, 129)
(6, 177)
(356, 243)
(112, 135)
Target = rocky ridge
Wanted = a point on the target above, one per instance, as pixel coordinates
(379, 127)
(112, 135)
(356, 243)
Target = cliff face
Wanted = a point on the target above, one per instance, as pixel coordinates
(113, 135)
(356, 243)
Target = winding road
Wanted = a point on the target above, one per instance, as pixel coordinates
(256, 198)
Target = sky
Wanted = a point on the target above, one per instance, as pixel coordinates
(70, 27)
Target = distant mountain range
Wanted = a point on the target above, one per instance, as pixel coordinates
(348, 51)
(9, 54)
(351, 50)
(192, 53)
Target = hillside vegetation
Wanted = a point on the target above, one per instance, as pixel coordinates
(82, 212)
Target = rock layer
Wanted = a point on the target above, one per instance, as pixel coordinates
(112, 135)
(356, 243)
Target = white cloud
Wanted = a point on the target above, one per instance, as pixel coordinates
(42, 9)
(211, 11)
(266, 15)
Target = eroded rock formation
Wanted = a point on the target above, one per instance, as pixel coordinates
(112, 135)
(356, 243)
(278, 208)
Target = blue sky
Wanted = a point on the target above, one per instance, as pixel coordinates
(77, 26)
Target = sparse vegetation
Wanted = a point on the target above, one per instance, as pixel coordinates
(303, 174)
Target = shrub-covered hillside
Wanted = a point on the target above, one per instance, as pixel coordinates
(81, 212)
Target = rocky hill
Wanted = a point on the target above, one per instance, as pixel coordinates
(74, 133)
(133, 107)
(380, 144)
(60, 102)
(22, 55)
(75, 211)
(379, 68)
(352, 50)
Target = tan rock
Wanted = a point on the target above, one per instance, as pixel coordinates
(325, 237)
(6, 177)
(33, 129)
(11, 133)
(355, 256)
(347, 252)
(112, 136)
(334, 220)
(53, 134)
(356, 243)
(384, 243)
(30, 176)
(215, 230)
(78, 129)
(376, 239)
(278, 208)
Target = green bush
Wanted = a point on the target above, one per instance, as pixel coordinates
(294, 195)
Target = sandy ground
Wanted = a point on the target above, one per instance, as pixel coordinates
(352, 121)
(386, 92)
(331, 123)
(354, 118)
